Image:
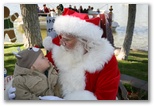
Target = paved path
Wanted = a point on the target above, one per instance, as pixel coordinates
(134, 81)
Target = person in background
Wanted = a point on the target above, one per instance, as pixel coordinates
(80, 10)
(98, 11)
(70, 7)
(61, 7)
(85, 11)
(58, 10)
(34, 76)
(39, 10)
(75, 9)
(89, 8)
(46, 9)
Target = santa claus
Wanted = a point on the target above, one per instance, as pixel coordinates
(88, 69)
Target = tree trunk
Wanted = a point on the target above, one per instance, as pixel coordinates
(109, 29)
(31, 25)
(124, 52)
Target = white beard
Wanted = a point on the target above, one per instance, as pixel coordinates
(69, 63)
(72, 64)
(75, 54)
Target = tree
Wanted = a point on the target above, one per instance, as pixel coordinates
(31, 25)
(124, 52)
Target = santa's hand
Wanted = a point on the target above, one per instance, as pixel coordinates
(11, 93)
(50, 98)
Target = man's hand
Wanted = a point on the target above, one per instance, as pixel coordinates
(50, 98)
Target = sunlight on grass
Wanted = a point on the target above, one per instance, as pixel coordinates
(136, 65)
(9, 58)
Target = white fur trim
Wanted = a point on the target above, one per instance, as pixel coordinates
(47, 43)
(77, 27)
(80, 95)
(72, 70)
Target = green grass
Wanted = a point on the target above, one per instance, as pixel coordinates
(9, 58)
(136, 65)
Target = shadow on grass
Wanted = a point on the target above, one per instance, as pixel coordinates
(9, 61)
(139, 55)
(12, 45)
(141, 61)
(136, 65)
(8, 54)
(135, 69)
(9, 58)
(10, 70)
(9, 65)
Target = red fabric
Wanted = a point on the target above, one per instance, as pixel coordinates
(67, 11)
(56, 40)
(36, 46)
(95, 21)
(70, 12)
(46, 10)
(49, 56)
(104, 84)
(82, 16)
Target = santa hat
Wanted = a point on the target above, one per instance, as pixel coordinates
(48, 42)
(76, 24)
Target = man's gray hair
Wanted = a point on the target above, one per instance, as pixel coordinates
(88, 45)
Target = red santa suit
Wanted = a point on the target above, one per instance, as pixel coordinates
(95, 75)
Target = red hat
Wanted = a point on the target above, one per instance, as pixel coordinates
(78, 24)
(48, 42)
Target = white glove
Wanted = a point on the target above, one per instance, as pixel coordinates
(50, 98)
(11, 93)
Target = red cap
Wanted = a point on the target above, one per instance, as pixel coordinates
(78, 24)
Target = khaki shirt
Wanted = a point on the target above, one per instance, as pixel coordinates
(31, 84)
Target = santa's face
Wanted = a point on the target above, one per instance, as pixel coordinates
(68, 41)
(73, 55)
